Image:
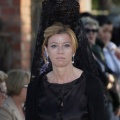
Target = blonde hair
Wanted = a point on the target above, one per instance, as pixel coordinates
(3, 76)
(16, 81)
(59, 28)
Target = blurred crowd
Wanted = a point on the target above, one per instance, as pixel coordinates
(104, 41)
(13, 89)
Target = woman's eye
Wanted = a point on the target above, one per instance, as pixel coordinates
(53, 46)
(67, 45)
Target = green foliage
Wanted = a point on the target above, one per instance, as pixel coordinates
(117, 2)
(95, 4)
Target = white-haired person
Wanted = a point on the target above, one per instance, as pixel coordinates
(3, 88)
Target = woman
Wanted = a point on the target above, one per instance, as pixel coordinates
(17, 87)
(66, 92)
(65, 89)
(3, 88)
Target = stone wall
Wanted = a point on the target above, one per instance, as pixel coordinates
(16, 17)
(25, 33)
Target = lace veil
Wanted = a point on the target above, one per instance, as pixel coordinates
(67, 12)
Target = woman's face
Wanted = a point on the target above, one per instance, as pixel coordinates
(105, 33)
(91, 32)
(3, 91)
(60, 50)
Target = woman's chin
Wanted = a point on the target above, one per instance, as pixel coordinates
(61, 64)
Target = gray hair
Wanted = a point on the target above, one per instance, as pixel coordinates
(89, 21)
(3, 76)
(16, 80)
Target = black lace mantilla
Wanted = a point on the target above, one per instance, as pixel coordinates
(67, 12)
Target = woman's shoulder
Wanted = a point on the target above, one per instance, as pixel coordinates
(34, 85)
(94, 88)
(91, 78)
(35, 80)
(92, 81)
(9, 104)
(6, 110)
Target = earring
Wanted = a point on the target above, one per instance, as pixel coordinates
(47, 60)
(73, 58)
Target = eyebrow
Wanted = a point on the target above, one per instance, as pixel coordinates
(57, 43)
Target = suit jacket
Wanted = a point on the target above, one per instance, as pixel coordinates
(9, 111)
(98, 52)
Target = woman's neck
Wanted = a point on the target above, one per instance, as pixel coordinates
(63, 74)
(17, 101)
(18, 104)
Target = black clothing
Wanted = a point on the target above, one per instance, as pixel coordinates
(63, 101)
(115, 98)
(81, 99)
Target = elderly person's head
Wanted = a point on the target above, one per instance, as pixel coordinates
(91, 28)
(17, 83)
(3, 89)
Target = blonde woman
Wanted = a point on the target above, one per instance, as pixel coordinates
(67, 88)
(3, 88)
(17, 83)
(66, 92)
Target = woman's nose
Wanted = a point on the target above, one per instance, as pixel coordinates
(60, 49)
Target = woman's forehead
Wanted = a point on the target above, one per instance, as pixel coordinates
(64, 37)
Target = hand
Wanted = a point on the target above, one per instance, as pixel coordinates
(111, 78)
(117, 112)
(109, 86)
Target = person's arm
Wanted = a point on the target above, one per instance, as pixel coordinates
(31, 99)
(99, 101)
(96, 98)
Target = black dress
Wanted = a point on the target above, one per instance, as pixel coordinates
(81, 99)
(63, 101)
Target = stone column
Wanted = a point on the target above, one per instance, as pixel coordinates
(25, 33)
(10, 14)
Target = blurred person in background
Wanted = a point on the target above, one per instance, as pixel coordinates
(91, 29)
(3, 88)
(116, 35)
(111, 51)
(17, 83)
